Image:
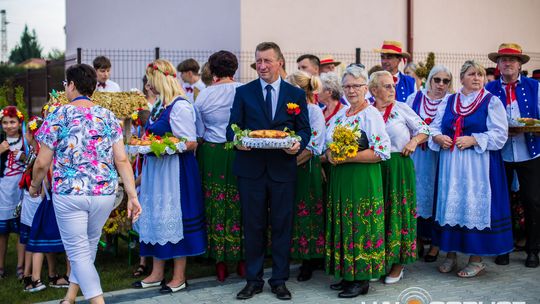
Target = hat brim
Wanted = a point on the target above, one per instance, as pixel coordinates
(522, 57)
(336, 63)
(402, 54)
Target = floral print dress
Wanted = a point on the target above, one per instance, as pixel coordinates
(355, 235)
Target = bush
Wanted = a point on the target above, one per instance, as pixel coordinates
(8, 72)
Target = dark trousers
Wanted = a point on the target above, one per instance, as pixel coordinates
(528, 173)
(264, 202)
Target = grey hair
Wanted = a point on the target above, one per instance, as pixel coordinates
(434, 71)
(330, 82)
(471, 64)
(374, 78)
(356, 72)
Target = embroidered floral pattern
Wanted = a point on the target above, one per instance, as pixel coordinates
(308, 224)
(82, 140)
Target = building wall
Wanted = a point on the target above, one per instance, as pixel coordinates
(475, 26)
(143, 24)
(319, 26)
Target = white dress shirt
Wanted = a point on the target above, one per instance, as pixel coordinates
(275, 93)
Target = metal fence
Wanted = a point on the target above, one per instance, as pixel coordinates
(129, 66)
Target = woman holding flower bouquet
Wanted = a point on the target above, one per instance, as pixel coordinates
(172, 224)
(308, 223)
(406, 130)
(425, 103)
(357, 142)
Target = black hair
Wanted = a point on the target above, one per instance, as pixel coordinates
(223, 64)
(84, 77)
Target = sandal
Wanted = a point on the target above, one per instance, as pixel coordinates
(66, 300)
(471, 270)
(20, 273)
(53, 281)
(35, 286)
(448, 265)
(141, 270)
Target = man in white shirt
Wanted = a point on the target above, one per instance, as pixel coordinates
(521, 153)
(191, 79)
(102, 65)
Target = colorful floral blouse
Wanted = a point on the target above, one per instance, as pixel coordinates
(82, 140)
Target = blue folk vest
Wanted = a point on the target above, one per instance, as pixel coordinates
(405, 87)
(527, 99)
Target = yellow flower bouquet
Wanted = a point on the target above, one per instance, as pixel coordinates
(345, 143)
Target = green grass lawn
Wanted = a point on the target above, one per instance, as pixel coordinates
(114, 271)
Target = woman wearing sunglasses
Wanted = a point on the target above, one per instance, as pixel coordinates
(406, 130)
(425, 103)
(472, 213)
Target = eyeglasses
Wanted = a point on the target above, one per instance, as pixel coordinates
(355, 87)
(64, 82)
(389, 86)
(358, 65)
(444, 80)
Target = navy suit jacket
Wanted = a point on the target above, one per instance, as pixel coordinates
(249, 111)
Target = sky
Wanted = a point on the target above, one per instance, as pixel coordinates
(47, 17)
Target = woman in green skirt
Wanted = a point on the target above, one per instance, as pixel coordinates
(406, 130)
(222, 202)
(355, 215)
(308, 225)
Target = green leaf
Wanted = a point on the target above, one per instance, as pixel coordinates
(158, 148)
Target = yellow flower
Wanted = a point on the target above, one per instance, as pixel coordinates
(134, 116)
(334, 147)
(111, 226)
(351, 151)
(19, 114)
(32, 125)
(45, 107)
(292, 106)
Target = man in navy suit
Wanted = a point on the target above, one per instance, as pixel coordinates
(267, 178)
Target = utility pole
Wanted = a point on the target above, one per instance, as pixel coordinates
(3, 48)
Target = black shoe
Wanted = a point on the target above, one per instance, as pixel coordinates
(355, 289)
(532, 260)
(167, 289)
(503, 259)
(249, 291)
(305, 272)
(338, 286)
(421, 251)
(141, 284)
(430, 258)
(281, 292)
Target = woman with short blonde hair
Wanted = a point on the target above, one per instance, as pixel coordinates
(308, 224)
(472, 213)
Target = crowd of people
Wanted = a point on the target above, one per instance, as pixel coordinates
(430, 167)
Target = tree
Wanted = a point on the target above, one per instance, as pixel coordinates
(27, 48)
(56, 54)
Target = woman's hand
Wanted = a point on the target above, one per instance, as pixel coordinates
(133, 209)
(464, 142)
(331, 159)
(4, 146)
(444, 141)
(410, 147)
(34, 191)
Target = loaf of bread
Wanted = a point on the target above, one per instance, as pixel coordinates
(268, 134)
